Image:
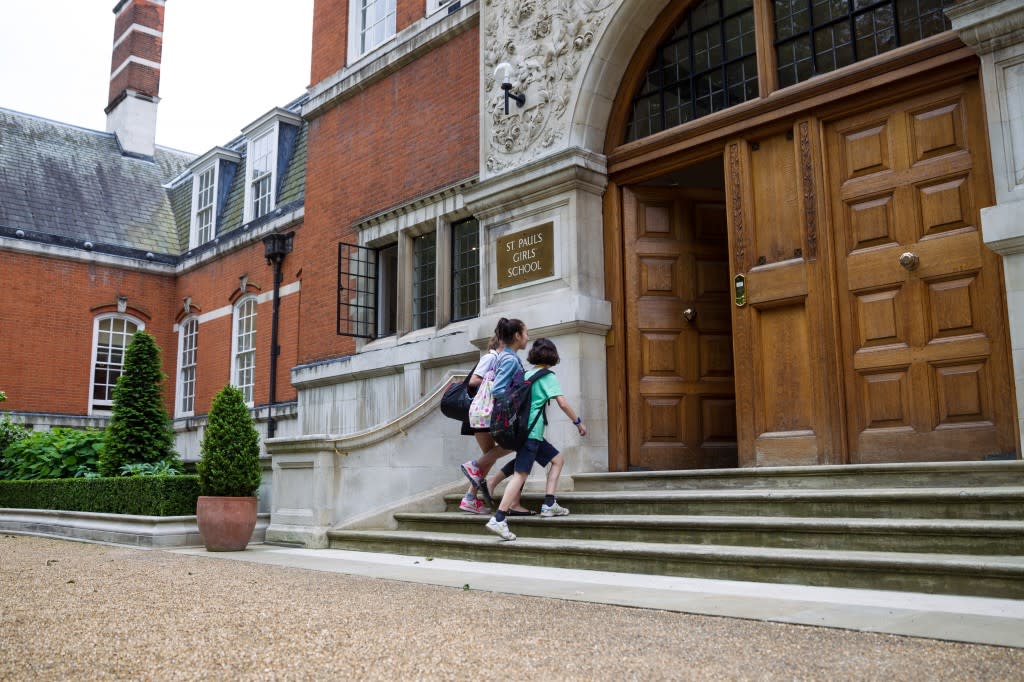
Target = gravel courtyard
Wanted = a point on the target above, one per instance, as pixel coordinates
(76, 611)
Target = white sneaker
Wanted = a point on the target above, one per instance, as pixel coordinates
(554, 510)
(500, 528)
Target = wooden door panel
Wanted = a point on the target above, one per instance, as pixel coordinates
(785, 382)
(783, 350)
(681, 397)
(925, 339)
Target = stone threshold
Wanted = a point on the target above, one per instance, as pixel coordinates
(157, 532)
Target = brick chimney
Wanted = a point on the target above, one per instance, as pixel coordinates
(135, 75)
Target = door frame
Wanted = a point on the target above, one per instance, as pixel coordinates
(916, 68)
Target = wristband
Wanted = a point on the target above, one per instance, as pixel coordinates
(578, 421)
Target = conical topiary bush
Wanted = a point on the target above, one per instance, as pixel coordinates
(140, 428)
(229, 464)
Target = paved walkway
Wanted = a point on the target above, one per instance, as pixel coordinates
(977, 620)
(77, 611)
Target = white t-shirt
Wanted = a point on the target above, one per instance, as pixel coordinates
(486, 364)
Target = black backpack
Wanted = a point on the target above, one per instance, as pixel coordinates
(510, 420)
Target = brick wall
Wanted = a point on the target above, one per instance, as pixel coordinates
(45, 363)
(47, 327)
(215, 286)
(330, 33)
(415, 131)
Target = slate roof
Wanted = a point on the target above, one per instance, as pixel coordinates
(68, 185)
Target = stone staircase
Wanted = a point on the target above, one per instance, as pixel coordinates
(946, 528)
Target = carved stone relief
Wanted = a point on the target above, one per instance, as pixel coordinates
(546, 43)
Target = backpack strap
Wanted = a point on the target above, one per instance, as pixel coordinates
(540, 374)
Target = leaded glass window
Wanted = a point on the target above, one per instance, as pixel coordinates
(710, 60)
(424, 265)
(465, 269)
(709, 63)
(817, 36)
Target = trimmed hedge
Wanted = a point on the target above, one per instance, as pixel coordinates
(138, 495)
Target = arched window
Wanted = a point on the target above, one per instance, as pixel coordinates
(710, 61)
(111, 336)
(188, 348)
(244, 347)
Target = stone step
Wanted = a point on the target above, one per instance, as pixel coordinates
(887, 535)
(993, 503)
(995, 576)
(928, 474)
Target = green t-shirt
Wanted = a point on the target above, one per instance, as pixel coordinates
(546, 388)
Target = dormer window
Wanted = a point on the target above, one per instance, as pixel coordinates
(271, 140)
(212, 174)
(205, 183)
(261, 174)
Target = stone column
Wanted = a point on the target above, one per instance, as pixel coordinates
(995, 30)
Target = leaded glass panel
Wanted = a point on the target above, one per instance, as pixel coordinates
(706, 65)
(813, 37)
(424, 265)
(465, 269)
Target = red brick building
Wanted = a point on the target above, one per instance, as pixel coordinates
(761, 233)
(104, 233)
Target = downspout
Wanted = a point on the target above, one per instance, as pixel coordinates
(276, 247)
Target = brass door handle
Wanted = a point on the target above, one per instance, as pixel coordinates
(909, 260)
(689, 314)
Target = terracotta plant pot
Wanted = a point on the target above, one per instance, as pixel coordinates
(226, 523)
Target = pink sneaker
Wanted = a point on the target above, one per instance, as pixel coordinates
(474, 507)
(471, 471)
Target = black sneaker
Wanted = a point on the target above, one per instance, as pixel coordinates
(484, 494)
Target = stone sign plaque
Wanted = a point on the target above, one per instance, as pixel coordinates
(526, 256)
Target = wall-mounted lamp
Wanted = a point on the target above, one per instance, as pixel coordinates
(502, 72)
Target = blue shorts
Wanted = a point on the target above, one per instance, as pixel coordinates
(539, 451)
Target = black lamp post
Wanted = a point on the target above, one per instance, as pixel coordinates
(276, 247)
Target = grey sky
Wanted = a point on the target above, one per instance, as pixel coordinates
(225, 62)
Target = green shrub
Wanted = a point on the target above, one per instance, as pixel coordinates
(140, 495)
(58, 453)
(10, 433)
(164, 468)
(229, 463)
(139, 429)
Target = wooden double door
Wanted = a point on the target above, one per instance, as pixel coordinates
(872, 326)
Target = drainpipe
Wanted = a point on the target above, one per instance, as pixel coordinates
(276, 247)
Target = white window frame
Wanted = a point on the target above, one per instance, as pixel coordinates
(435, 5)
(195, 237)
(205, 163)
(183, 394)
(248, 389)
(104, 406)
(356, 29)
(255, 179)
(268, 124)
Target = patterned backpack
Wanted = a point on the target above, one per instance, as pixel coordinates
(510, 420)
